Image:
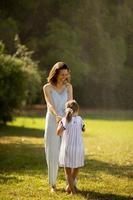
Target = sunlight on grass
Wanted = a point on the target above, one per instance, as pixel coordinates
(28, 122)
(108, 170)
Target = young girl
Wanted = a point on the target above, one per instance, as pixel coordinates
(71, 151)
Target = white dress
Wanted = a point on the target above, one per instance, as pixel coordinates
(52, 140)
(72, 148)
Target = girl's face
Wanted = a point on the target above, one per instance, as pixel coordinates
(63, 75)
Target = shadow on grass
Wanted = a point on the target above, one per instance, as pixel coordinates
(92, 166)
(29, 159)
(25, 158)
(22, 158)
(21, 155)
(103, 196)
(20, 131)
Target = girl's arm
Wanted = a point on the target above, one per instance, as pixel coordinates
(60, 131)
(60, 128)
(83, 127)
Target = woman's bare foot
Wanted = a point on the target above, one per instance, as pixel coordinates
(53, 188)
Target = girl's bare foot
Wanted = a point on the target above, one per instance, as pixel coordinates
(73, 192)
(68, 189)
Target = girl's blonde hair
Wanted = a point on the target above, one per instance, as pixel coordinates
(70, 108)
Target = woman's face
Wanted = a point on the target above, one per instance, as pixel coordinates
(63, 75)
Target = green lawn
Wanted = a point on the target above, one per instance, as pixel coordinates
(108, 171)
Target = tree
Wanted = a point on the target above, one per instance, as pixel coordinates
(16, 77)
(63, 44)
(93, 37)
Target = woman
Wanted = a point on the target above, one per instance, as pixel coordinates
(57, 92)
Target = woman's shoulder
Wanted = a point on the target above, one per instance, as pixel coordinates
(68, 85)
(47, 86)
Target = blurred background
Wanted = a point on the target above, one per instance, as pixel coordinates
(95, 38)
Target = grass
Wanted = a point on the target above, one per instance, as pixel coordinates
(108, 171)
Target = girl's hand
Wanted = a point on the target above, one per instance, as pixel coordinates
(83, 128)
(58, 118)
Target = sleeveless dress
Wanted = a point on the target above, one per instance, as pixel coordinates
(72, 148)
(52, 140)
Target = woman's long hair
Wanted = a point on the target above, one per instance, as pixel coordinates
(70, 108)
(54, 72)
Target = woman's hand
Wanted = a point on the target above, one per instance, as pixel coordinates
(58, 118)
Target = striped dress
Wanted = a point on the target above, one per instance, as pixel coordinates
(72, 148)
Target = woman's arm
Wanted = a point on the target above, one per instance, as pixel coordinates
(70, 91)
(47, 95)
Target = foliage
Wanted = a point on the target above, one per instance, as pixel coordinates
(18, 81)
(93, 37)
